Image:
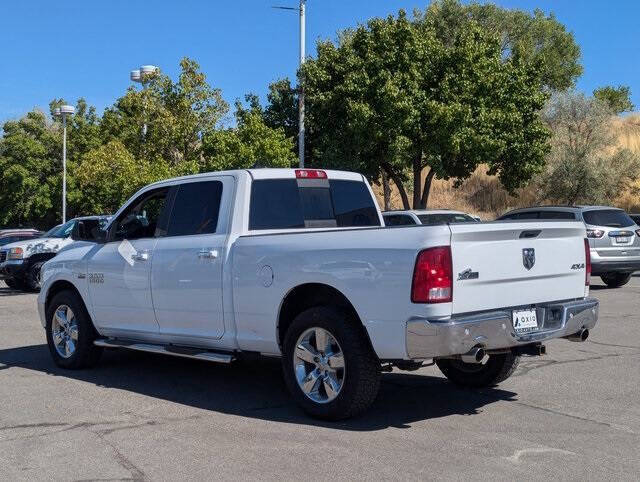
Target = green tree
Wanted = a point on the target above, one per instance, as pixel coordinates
(400, 95)
(250, 143)
(617, 98)
(535, 38)
(31, 166)
(585, 164)
(178, 114)
(108, 175)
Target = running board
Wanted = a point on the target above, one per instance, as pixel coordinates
(185, 352)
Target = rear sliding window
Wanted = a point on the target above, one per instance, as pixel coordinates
(310, 203)
(613, 218)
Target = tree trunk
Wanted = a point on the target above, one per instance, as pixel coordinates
(397, 180)
(386, 189)
(427, 188)
(417, 182)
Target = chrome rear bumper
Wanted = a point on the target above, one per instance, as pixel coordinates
(494, 330)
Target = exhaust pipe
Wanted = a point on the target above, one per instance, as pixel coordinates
(475, 355)
(579, 336)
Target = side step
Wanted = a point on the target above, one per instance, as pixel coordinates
(185, 352)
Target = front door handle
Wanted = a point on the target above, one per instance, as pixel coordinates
(140, 256)
(208, 253)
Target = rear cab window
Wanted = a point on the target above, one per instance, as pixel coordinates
(310, 203)
(612, 218)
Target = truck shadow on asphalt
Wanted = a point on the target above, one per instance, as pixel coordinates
(257, 390)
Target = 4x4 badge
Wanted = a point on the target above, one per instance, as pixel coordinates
(528, 257)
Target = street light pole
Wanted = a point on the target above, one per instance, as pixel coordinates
(301, 88)
(141, 75)
(64, 111)
(301, 10)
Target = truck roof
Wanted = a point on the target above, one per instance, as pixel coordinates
(269, 173)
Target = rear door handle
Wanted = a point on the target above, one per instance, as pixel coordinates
(140, 256)
(208, 253)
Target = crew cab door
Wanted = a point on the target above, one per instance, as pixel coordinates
(187, 269)
(119, 270)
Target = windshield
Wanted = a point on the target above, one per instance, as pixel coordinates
(613, 218)
(61, 230)
(444, 218)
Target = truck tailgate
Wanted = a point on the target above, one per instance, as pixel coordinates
(500, 273)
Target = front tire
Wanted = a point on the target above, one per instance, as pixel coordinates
(32, 281)
(615, 280)
(14, 284)
(329, 367)
(70, 332)
(496, 369)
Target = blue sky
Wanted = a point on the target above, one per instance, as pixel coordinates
(72, 48)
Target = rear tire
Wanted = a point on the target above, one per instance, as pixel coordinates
(357, 381)
(497, 369)
(615, 280)
(70, 332)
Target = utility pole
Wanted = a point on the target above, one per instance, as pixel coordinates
(64, 111)
(300, 87)
(301, 10)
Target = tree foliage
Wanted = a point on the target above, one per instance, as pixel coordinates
(402, 95)
(618, 99)
(108, 158)
(585, 164)
(536, 38)
(251, 143)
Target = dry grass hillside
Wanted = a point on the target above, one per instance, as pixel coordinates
(482, 194)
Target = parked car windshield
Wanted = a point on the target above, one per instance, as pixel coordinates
(60, 231)
(444, 218)
(613, 218)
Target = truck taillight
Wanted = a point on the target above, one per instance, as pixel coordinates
(433, 276)
(587, 263)
(310, 174)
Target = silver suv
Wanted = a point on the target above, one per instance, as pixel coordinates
(613, 236)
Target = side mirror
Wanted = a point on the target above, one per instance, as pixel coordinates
(88, 230)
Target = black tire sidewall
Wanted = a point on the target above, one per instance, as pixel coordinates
(497, 369)
(86, 352)
(615, 280)
(350, 400)
(32, 278)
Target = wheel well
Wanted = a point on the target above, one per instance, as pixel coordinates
(59, 286)
(307, 296)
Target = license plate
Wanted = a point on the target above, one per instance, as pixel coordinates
(525, 321)
(622, 239)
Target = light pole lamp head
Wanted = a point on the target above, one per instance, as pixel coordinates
(135, 76)
(56, 112)
(67, 110)
(148, 69)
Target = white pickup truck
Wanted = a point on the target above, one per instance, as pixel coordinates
(298, 264)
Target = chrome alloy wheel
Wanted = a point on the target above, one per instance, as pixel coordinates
(318, 363)
(64, 329)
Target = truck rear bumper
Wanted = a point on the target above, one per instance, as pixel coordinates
(493, 330)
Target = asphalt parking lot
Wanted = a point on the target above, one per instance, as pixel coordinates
(573, 414)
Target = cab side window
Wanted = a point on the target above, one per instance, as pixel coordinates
(195, 209)
(143, 218)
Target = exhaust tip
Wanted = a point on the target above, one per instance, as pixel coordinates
(584, 334)
(479, 355)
